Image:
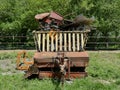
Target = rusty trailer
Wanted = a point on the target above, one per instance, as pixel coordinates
(60, 47)
(59, 53)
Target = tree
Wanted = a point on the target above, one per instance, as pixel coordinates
(17, 16)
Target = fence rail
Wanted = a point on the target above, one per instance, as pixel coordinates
(27, 42)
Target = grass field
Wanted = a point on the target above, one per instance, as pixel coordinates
(103, 74)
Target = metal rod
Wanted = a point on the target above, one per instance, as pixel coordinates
(68, 69)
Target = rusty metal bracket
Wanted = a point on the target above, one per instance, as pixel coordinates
(23, 62)
(62, 63)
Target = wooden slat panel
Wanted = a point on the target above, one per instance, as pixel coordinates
(43, 43)
(61, 41)
(56, 42)
(78, 42)
(65, 42)
(73, 41)
(69, 39)
(48, 42)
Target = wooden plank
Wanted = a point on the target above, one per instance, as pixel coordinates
(73, 41)
(48, 42)
(56, 42)
(65, 42)
(61, 41)
(78, 42)
(75, 31)
(52, 43)
(43, 43)
(82, 42)
(69, 39)
(39, 42)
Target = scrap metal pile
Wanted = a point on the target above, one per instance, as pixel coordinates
(60, 55)
(55, 21)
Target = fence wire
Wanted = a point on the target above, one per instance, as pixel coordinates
(27, 42)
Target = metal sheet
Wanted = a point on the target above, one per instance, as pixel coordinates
(72, 74)
(80, 59)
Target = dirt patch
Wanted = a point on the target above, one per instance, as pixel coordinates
(8, 67)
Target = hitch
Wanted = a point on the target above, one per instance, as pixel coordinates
(63, 64)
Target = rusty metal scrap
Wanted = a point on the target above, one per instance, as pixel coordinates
(69, 64)
(22, 62)
(56, 21)
(60, 48)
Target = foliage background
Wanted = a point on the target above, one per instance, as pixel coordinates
(17, 16)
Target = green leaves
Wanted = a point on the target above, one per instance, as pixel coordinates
(11, 27)
(17, 16)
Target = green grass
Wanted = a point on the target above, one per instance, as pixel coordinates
(16, 82)
(8, 55)
(13, 54)
(104, 65)
(103, 74)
